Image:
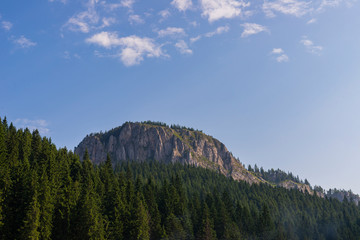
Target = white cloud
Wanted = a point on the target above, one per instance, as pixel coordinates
(182, 5)
(164, 14)
(252, 28)
(82, 22)
(127, 3)
(113, 6)
(282, 58)
(219, 30)
(334, 3)
(313, 20)
(24, 42)
(6, 25)
(136, 19)
(105, 39)
(171, 31)
(277, 51)
(39, 124)
(183, 47)
(214, 10)
(195, 39)
(133, 49)
(310, 46)
(89, 19)
(288, 7)
(106, 22)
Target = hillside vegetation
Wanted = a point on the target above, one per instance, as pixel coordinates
(48, 193)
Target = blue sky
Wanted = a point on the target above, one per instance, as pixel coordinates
(276, 81)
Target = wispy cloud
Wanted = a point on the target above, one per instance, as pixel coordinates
(219, 30)
(282, 58)
(68, 55)
(83, 21)
(288, 7)
(107, 21)
(24, 42)
(183, 47)
(136, 19)
(277, 51)
(164, 14)
(280, 55)
(311, 21)
(182, 5)
(252, 28)
(91, 18)
(127, 3)
(6, 25)
(195, 39)
(332, 4)
(62, 1)
(39, 124)
(133, 49)
(171, 31)
(310, 46)
(214, 10)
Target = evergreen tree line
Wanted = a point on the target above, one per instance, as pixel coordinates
(49, 193)
(276, 176)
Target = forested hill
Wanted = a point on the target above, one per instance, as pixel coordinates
(48, 193)
(289, 181)
(143, 141)
(168, 144)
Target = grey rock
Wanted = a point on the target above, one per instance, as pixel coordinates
(142, 142)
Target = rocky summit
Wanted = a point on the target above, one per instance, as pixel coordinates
(157, 141)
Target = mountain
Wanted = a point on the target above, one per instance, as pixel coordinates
(166, 144)
(142, 141)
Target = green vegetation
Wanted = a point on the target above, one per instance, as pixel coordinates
(275, 176)
(48, 193)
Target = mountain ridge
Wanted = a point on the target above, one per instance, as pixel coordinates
(141, 141)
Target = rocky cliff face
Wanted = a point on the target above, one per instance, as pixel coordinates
(304, 188)
(342, 194)
(143, 141)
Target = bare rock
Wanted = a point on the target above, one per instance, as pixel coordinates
(143, 141)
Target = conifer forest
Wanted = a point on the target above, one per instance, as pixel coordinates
(50, 193)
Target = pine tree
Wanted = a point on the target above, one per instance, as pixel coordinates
(266, 225)
(46, 207)
(66, 198)
(140, 220)
(4, 172)
(207, 231)
(35, 147)
(88, 207)
(174, 228)
(31, 229)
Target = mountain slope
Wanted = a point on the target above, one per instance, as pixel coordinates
(169, 144)
(149, 140)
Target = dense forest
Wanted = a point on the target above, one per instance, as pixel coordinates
(49, 193)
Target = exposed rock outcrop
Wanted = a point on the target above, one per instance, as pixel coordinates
(144, 141)
(341, 195)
